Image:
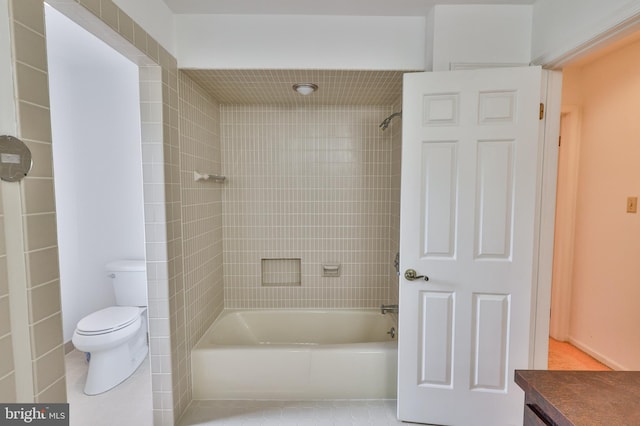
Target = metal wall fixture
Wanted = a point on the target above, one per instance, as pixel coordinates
(389, 309)
(385, 123)
(15, 159)
(198, 177)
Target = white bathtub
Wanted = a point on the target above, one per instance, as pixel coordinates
(296, 354)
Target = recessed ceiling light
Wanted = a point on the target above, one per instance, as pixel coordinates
(305, 88)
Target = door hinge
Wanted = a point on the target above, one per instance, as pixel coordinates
(541, 110)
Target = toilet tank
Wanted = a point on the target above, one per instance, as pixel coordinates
(129, 279)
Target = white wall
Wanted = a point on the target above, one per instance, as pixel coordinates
(95, 113)
(563, 26)
(481, 34)
(429, 31)
(300, 42)
(154, 17)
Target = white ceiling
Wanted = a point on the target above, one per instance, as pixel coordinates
(320, 7)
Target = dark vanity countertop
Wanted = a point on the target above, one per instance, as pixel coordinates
(583, 398)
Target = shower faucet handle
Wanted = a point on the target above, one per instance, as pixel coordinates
(411, 275)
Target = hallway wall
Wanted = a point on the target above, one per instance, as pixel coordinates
(605, 314)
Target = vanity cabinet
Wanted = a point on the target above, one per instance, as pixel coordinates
(580, 398)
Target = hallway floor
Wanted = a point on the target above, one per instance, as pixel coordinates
(565, 356)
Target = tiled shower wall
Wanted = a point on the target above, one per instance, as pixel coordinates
(314, 184)
(201, 219)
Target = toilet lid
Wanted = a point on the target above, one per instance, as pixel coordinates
(109, 319)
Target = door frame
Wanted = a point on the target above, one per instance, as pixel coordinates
(565, 223)
(548, 173)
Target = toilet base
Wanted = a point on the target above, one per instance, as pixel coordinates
(109, 368)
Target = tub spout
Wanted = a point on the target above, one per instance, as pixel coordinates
(388, 308)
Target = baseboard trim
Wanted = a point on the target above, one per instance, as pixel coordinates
(597, 355)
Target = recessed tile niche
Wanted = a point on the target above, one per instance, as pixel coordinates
(281, 272)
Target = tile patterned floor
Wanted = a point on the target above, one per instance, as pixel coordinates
(283, 413)
(129, 403)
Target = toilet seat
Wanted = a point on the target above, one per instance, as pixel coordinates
(108, 320)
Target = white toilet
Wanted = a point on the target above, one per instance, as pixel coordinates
(116, 337)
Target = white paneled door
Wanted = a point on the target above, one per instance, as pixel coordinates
(470, 161)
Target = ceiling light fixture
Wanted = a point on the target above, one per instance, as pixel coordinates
(305, 88)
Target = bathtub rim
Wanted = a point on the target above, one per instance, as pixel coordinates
(202, 344)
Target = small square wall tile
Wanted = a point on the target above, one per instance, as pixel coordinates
(8, 389)
(56, 393)
(6, 362)
(3, 252)
(92, 5)
(125, 25)
(109, 13)
(29, 13)
(41, 231)
(4, 280)
(35, 122)
(46, 335)
(44, 300)
(42, 157)
(139, 38)
(5, 322)
(30, 47)
(42, 266)
(49, 368)
(152, 49)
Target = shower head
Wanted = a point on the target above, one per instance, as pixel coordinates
(385, 123)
